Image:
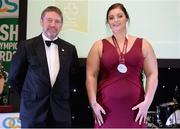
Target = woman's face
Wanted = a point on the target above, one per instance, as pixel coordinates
(117, 20)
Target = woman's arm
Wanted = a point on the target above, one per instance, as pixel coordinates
(92, 71)
(151, 72)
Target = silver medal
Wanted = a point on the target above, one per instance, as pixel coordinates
(122, 68)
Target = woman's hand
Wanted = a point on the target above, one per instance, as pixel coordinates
(142, 112)
(98, 111)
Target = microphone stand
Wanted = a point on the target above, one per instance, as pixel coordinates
(159, 122)
(175, 103)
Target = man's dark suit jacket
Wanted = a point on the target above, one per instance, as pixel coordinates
(29, 75)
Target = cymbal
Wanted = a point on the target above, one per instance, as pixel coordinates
(152, 112)
(168, 104)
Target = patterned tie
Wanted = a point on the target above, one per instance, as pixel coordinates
(48, 43)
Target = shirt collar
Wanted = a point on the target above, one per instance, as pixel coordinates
(46, 38)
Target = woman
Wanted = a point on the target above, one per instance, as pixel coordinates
(114, 75)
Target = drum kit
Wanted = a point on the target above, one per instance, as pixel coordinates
(167, 115)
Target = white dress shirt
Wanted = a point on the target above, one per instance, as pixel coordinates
(53, 61)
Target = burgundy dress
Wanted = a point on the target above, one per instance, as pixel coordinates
(119, 92)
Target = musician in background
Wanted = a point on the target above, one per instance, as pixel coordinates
(2, 77)
(1, 84)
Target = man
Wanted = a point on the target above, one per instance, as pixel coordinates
(42, 73)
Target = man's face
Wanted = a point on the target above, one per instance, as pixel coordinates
(51, 24)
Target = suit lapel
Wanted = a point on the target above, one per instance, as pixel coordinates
(62, 57)
(41, 53)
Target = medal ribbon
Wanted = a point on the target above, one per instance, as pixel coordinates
(121, 54)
